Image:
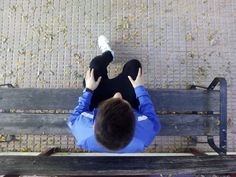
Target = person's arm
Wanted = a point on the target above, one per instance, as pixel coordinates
(83, 102)
(83, 106)
(85, 99)
(148, 124)
(146, 106)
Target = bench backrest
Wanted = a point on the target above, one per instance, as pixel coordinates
(177, 109)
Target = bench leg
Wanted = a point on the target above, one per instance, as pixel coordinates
(50, 151)
(8, 85)
(196, 152)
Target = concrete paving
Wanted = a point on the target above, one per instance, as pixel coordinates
(49, 43)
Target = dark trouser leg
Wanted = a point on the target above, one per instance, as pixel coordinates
(99, 64)
(131, 68)
(125, 87)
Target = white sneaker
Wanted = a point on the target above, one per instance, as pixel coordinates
(103, 44)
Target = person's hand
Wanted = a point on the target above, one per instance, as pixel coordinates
(139, 79)
(90, 82)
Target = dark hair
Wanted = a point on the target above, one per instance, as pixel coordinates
(115, 124)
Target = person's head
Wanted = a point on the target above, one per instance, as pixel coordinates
(115, 123)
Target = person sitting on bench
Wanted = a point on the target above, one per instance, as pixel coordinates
(114, 115)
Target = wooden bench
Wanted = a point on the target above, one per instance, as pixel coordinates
(183, 112)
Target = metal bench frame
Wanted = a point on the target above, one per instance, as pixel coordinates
(133, 165)
(222, 150)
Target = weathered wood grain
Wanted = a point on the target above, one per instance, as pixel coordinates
(35, 98)
(132, 165)
(177, 100)
(55, 124)
(171, 100)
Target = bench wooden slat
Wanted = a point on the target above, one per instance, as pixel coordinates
(37, 99)
(55, 165)
(171, 100)
(175, 100)
(55, 124)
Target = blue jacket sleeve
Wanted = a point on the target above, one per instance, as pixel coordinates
(83, 106)
(146, 107)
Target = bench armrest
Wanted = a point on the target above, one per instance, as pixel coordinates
(222, 150)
